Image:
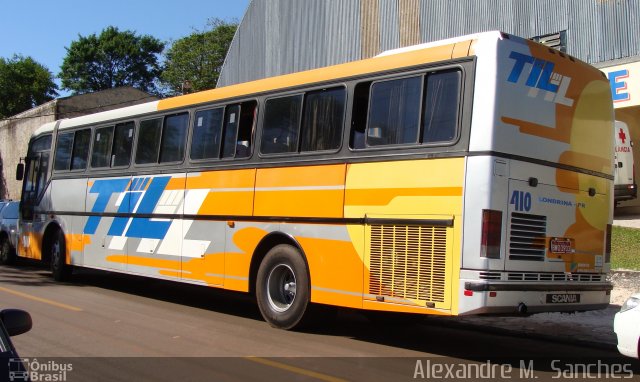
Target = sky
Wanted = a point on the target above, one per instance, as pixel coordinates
(43, 28)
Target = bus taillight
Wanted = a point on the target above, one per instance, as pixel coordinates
(491, 234)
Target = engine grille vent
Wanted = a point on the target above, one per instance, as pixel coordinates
(408, 262)
(527, 237)
(582, 277)
(490, 276)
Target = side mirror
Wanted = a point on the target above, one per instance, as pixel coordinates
(16, 321)
(20, 171)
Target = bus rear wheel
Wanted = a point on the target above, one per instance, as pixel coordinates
(282, 287)
(58, 251)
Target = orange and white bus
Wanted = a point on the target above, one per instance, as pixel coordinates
(465, 176)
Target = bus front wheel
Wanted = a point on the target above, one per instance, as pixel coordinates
(7, 255)
(59, 268)
(282, 287)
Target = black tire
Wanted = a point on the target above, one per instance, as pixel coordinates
(282, 287)
(59, 268)
(7, 253)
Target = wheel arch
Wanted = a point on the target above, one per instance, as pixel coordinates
(266, 244)
(47, 239)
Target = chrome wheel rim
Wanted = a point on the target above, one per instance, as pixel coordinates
(281, 287)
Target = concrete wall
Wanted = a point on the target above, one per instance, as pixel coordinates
(14, 140)
(16, 131)
(91, 103)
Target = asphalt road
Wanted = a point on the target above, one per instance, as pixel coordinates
(108, 326)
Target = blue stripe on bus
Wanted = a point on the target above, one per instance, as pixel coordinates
(144, 227)
(129, 201)
(104, 189)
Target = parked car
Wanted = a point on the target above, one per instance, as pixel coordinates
(3, 203)
(12, 323)
(9, 232)
(627, 327)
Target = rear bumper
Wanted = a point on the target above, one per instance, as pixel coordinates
(622, 192)
(498, 297)
(486, 286)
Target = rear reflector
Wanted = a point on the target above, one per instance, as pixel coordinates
(468, 293)
(491, 234)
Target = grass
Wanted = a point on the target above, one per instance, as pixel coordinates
(625, 248)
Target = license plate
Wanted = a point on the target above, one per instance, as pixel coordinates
(561, 246)
(563, 298)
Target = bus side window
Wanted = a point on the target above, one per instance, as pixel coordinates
(35, 180)
(122, 144)
(149, 141)
(394, 112)
(80, 152)
(42, 173)
(102, 140)
(359, 115)
(174, 138)
(63, 152)
(231, 122)
(248, 112)
(281, 125)
(207, 130)
(323, 120)
(30, 179)
(440, 117)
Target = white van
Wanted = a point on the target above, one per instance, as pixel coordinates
(624, 176)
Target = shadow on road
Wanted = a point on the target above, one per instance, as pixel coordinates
(420, 334)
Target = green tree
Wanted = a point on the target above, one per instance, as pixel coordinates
(110, 60)
(24, 83)
(196, 60)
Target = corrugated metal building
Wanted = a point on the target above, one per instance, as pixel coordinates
(283, 36)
